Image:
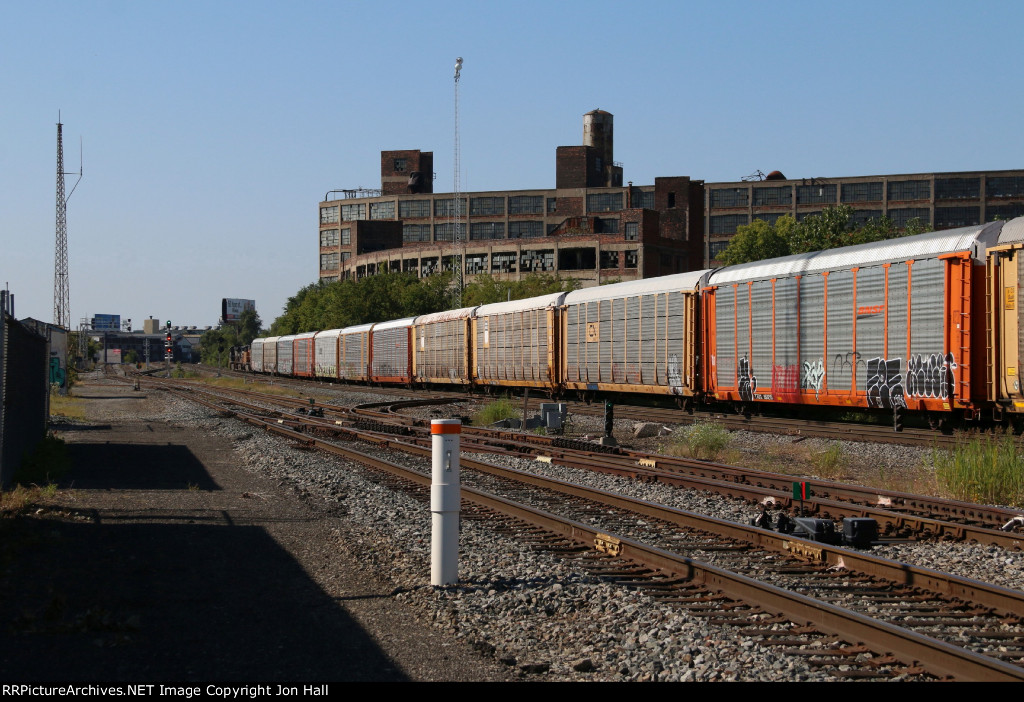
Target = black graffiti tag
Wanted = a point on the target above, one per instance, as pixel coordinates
(747, 382)
(885, 383)
(931, 375)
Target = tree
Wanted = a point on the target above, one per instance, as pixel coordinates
(759, 240)
(486, 289)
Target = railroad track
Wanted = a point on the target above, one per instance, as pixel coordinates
(899, 515)
(755, 580)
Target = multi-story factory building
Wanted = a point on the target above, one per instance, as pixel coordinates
(941, 200)
(589, 226)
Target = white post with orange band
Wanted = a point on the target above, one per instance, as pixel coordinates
(444, 501)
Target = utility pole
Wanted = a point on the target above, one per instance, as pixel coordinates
(61, 293)
(459, 258)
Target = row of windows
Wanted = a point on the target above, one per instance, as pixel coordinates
(329, 237)
(329, 262)
(949, 217)
(604, 202)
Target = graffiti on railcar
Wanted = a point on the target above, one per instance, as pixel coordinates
(813, 377)
(786, 382)
(746, 381)
(675, 375)
(846, 361)
(885, 383)
(931, 375)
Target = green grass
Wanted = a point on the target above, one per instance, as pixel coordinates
(988, 472)
(495, 412)
(700, 440)
(829, 463)
(67, 406)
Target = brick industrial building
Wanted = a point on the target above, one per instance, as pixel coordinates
(593, 228)
(590, 226)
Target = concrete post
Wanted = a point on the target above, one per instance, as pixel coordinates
(444, 501)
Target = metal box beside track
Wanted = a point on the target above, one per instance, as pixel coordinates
(638, 336)
(440, 350)
(302, 363)
(325, 354)
(354, 353)
(515, 342)
(890, 324)
(390, 360)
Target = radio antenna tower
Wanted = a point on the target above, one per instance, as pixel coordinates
(61, 293)
(458, 262)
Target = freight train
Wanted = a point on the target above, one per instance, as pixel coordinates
(926, 324)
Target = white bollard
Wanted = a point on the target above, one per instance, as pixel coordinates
(444, 501)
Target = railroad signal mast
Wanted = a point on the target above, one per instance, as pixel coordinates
(61, 293)
(168, 349)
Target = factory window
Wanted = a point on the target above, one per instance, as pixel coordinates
(1003, 212)
(382, 210)
(552, 204)
(416, 232)
(861, 217)
(345, 255)
(910, 190)
(487, 206)
(820, 192)
(715, 248)
(862, 192)
(579, 259)
(328, 262)
(446, 207)
(346, 236)
(950, 217)
(444, 232)
(770, 217)
(632, 257)
(609, 259)
(353, 212)
(608, 225)
(604, 202)
(329, 215)
(413, 208)
(525, 204)
(781, 195)
(957, 189)
(476, 264)
(525, 230)
(399, 165)
(730, 197)
(1004, 186)
(643, 199)
(487, 230)
(903, 215)
(632, 231)
(726, 224)
(328, 237)
(503, 262)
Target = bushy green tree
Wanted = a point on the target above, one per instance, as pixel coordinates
(215, 345)
(832, 228)
(486, 289)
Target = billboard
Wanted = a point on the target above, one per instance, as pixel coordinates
(231, 308)
(106, 322)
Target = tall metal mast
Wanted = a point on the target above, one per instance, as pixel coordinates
(458, 260)
(61, 293)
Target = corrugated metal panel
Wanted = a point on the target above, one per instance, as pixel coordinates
(1012, 231)
(302, 363)
(530, 303)
(646, 286)
(927, 304)
(896, 306)
(270, 354)
(285, 350)
(762, 335)
(357, 329)
(870, 320)
(441, 349)
(352, 352)
(390, 358)
(514, 345)
(256, 355)
(394, 324)
(842, 357)
(785, 377)
(445, 316)
(892, 250)
(325, 354)
(812, 333)
(725, 327)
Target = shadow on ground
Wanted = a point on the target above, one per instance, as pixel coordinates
(182, 602)
(110, 466)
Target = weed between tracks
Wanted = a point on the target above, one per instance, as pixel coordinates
(701, 440)
(495, 412)
(988, 472)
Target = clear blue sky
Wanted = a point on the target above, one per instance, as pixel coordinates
(211, 130)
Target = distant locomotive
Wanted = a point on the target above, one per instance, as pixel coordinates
(927, 324)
